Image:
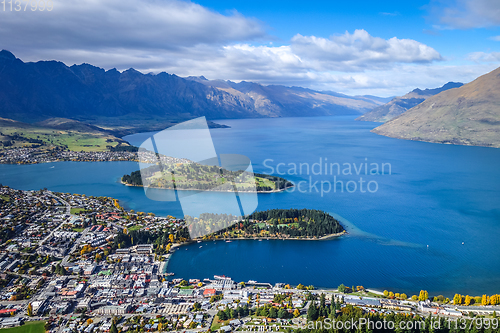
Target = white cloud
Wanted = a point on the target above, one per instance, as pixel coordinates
(360, 50)
(184, 38)
(484, 57)
(466, 14)
(495, 38)
(130, 24)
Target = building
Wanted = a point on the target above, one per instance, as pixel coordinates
(209, 292)
(89, 270)
(144, 249)
(11, 322)
(113, 309)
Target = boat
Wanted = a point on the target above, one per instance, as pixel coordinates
(170, 274)
(200, 247)
(199, 241)
(228, 241)
(222, 277)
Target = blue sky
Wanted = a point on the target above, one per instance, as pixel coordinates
(386, 19)
(382, 48)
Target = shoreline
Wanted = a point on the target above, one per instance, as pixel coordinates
(188, 189)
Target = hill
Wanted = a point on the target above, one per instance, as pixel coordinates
(37, 91)
(58, 132)
(469, 115)
(401, 104)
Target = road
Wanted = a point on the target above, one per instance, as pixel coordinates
(68, 212)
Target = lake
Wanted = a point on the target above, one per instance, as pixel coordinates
(430, 221)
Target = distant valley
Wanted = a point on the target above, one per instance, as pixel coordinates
(401, 104)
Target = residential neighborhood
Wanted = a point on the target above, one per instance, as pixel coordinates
(85, 264)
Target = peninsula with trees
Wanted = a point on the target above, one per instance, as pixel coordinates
(306, 224)
(195, 176)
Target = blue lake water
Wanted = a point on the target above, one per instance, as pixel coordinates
(433, 223)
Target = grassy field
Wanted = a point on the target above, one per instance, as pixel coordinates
(216, 325)
(135, 227)
(76, 210)
(29, 327)
(76, 137)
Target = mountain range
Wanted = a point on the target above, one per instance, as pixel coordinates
(468, 115)
(401, 104)
(36, 91)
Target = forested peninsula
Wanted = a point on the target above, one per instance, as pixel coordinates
(269, 224)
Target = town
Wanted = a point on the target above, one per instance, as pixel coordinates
(77, 263)
(58, 154)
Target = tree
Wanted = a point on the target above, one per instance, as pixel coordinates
(273, 313)
(457, 299)
(296, 313)
(113, 328)
(485, 300)
(30, 310)
(301, 286)
(222, 315)
(467, 300)
(312, 312)
(342, 288)
(89, 321)
(423, 296)
(171, 238)
(414, 298)
(403, 296)
(386, 293)
(282, 313)
(322, 300)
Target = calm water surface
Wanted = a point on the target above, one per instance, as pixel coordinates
(406, 236)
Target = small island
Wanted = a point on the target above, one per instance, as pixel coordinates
(198, 177)
(306, 224)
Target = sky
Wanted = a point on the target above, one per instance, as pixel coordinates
(381, 48)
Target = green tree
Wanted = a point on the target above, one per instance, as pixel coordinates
(273, 313)
(312, 312)
(113, 328)
(282, 313)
